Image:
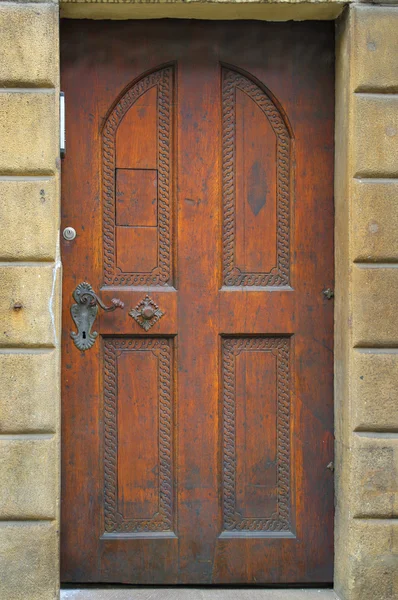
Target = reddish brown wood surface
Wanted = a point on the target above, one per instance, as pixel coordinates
(199, 171)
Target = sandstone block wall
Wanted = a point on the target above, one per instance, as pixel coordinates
(30, 296)
(366, 349)
(366, 303)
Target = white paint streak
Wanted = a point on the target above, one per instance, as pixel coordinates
(51, 302)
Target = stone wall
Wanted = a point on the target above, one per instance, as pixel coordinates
(366, 285)
(29, 301)
(366, 194)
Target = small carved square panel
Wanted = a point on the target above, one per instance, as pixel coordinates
(136, 198)
(146, 313)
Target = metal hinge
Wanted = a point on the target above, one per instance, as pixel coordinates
(62, 148)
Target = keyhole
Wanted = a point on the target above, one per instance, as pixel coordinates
(84, 335)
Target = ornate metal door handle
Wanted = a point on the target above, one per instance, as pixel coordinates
(84, 313)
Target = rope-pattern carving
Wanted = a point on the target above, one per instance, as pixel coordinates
(161, 275)
(162, 520)
(279, 520)
(110, 437)
(232, 275)
(164, 141)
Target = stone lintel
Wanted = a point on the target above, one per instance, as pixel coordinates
(285, 10)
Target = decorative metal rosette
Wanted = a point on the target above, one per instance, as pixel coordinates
(146, 313)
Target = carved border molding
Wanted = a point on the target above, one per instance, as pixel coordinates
(232, 520)
(162, 520)
(232, 275)
(162, 274)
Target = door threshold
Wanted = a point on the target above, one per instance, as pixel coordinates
(194, 593)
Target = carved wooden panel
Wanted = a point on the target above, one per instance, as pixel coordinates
(256, 172)
(136, 197)
(138, 431)
(137, 184)
(256, 434)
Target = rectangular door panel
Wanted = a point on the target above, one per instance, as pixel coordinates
(136, 197)
(138, 435)
(256, 457)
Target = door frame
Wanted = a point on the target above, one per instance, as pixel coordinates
(330, 10)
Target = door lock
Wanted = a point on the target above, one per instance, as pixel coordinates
(84, 313)
(69, 233)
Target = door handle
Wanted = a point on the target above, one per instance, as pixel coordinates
(84, 312)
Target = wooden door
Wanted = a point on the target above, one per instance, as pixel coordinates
(197, 433)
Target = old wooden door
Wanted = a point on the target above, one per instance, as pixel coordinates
(197, 429)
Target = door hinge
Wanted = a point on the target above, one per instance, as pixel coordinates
(62, 147)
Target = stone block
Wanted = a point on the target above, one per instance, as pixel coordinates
(375, 301)
(29, 561)
(374, 468)
(374, 390)
(29, 54)
(369, 559)
(374, 220)
(375, 48)
(29, 465)
(29, 306)
(29, 215)
(391, 3)
(29, 132)
(56, 2)
(283, 10)
(29, 392)
(375, 135)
